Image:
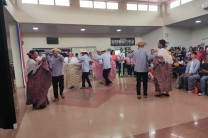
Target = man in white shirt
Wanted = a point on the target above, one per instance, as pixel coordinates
(121, 56)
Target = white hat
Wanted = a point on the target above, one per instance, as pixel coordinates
(56, 49)
(83, 50)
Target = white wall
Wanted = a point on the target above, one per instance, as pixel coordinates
(198, 34)
(177, 36)
(39, 41)
(16, 55)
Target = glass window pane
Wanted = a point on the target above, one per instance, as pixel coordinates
(175, 4)
(131, 6)
(30, 1)
(62, 2)
(142, 7)
(112, 5)
(153, 8)
(46, 2)
(185, 1)
(100, 5)
(86, 4)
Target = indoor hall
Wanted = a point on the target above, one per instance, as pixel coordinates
(104, 69)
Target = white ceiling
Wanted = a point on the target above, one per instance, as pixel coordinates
(90, 29)
(157, 1)
(190, 23)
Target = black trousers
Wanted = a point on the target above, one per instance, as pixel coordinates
(58, 81)
(85, 76)
(130, 69)
(119, 68)
(144, 76)
(105, 76)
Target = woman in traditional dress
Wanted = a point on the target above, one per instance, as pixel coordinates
(39, 81)
(163, 70)
(114, 57)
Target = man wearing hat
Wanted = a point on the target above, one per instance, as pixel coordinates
(106, 58)
(57, 68)
(85, 68)
(141, 58)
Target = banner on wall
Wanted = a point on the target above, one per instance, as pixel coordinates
(64, 51)
(21, 54)
(122, 41)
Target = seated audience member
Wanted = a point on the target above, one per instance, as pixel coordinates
(191, 69)
(175, 66)
(183, 53)
(202, 76)
(182, 68)
(178, 53)
(189, 52)
(199, 54)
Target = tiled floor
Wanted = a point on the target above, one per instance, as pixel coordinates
(113, 112)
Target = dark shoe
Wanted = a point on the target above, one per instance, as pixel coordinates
(71, 87)
(139, 97)
(158, 95)
(145, 96)
(166, 94)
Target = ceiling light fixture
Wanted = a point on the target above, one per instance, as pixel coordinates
(198, 21)
(83, 30)
(118, 30)
(35, 28)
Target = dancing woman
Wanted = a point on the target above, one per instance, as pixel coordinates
(163, 70)
(39, 81)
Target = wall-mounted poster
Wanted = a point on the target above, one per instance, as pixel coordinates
(122, 41)
(44, 50)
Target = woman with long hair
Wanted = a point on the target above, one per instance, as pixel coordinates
(163, 70)
(39, 81)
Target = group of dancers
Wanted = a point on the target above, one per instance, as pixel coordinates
(41, 73)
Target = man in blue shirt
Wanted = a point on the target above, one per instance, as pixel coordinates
(191, 69)
(106, 57)
(85, 68)
(56, 64)
(141, 58)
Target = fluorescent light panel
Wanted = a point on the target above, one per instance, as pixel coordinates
(153, 8)
(112, 5)
(46, 2)
(86, 4)
(30, 1)
(100, 5)
(142, 7)
(131, 6)
(175, 4)
(185, 1)
(62, 2)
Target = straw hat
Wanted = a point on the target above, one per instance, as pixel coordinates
(103, 50)
(56, 49)
(83, 50)
(141, 43)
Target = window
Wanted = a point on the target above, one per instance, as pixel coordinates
(46, 2)
(142, 7)
(30, 1)
(185, 1)
(175, 4)
(62, 2)
(153, 8)
(112, 5)
(100, 5)
(131, 6)
(86, 4)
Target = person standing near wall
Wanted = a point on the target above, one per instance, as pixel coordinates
(57, 67)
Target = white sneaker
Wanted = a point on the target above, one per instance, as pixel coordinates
(200, 94)
(190, 91)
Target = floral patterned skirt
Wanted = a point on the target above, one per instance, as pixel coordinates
(162, 76)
